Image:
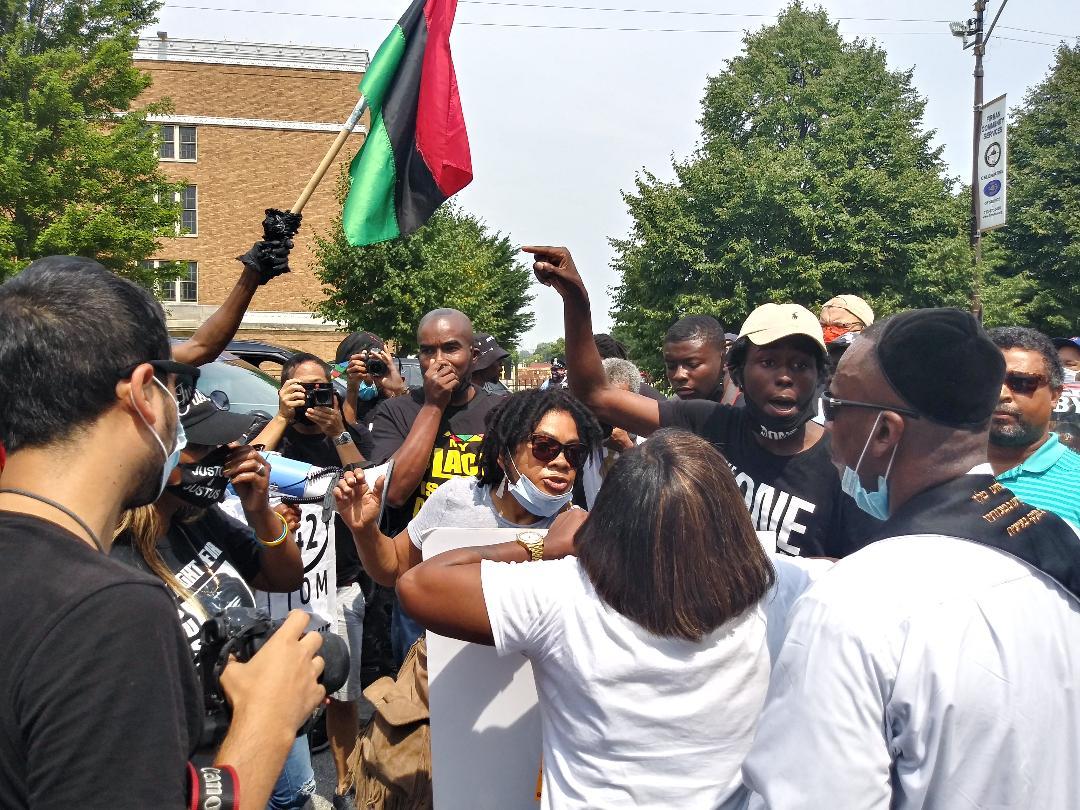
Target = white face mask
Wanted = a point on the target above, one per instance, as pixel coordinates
(171, 458)
(1071, 375)
(532, 498)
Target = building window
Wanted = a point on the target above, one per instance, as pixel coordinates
(188, 198)
(177, 143)
(184, 290)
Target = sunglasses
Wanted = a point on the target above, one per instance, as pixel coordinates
(546, 449)
(185, 378)
(1026, 384)
(830, 405)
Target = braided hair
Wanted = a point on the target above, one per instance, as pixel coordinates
(514, 419)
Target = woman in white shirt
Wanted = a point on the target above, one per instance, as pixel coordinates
(648, 647)
(534, 447)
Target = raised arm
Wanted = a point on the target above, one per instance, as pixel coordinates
(384, 558)
(265, 260)
(554, 267)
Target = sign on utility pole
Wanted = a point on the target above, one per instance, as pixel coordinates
(991, 157)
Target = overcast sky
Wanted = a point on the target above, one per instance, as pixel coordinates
(563, 108)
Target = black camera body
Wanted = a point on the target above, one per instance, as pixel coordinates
(376, 366)
(316, 395)
(241, 632)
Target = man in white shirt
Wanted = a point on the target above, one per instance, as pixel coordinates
(937, 667)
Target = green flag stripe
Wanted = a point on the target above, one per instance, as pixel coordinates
(381, 71)
(369, 214)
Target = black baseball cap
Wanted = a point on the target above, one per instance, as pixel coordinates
(207, 420)
(489, 351)
(357, 343)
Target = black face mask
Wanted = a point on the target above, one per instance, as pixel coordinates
(202, 484)
(775, 428)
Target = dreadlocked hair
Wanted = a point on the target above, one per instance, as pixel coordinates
(514, 419)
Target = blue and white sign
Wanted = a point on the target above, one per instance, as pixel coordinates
(992, 160)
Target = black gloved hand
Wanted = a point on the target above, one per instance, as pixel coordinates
(268, 258)
(280, 225)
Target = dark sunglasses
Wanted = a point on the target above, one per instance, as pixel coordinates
(830, 405)
(546, 449)
(1026, 384)
(185, 378)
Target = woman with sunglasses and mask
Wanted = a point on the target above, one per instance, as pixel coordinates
(534, 448)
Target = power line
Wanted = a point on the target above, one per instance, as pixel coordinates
(558, 27)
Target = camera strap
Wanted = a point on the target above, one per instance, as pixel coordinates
(60, 508)
(213, 787)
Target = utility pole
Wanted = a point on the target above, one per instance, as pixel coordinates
(976, 233)
(974, 28)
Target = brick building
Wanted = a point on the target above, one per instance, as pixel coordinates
(248, 127)
(533, 375)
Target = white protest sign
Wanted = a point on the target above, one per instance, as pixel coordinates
(485, 723)
(318, 593)
(992, 160)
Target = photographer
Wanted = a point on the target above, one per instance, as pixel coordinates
(373, 376)
(103, 707)
(318, 436)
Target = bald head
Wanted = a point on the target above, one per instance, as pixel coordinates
(455, 321)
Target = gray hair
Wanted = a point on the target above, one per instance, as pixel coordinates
(622, 372)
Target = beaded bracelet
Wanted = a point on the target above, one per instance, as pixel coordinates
(280, 538)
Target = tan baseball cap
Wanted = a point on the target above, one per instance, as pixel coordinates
(772, 322)
(853, 304)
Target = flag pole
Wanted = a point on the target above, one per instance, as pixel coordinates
(332, 153)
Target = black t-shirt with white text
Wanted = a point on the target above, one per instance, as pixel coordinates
(798, 497)
(456, 448)
(99, 702)
(214, 557)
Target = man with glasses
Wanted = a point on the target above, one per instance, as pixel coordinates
(844, 314)
(936, 667)
(102, 707)
(1026, 456)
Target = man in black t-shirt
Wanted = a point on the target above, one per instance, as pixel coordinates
(694, 358)
(434, 433)
(780, 459)
(101, 705)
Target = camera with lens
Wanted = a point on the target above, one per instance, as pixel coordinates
(241, 632)
(376, 366)
(319, 395)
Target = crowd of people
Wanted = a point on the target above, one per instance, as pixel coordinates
(839, 567)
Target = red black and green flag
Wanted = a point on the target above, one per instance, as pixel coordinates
(416, 154)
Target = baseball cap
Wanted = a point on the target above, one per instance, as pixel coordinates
(356, 343)
(490, 352)
(208, 421)
(557, 362)
(772, 322)
(853, 304)
(1062, 342)
(942, 363)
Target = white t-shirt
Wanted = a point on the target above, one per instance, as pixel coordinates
(924, 673)
(629, 719)
(461, 503)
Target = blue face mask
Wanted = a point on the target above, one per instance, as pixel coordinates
(532, 499)
(875, 504)
(367, 391)
(173, 458)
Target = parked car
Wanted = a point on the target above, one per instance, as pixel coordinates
(259, 352)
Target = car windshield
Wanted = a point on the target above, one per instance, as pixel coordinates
(248, 388)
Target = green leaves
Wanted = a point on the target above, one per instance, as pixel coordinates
(814, 177)
(452, 261)
(78, 168)
(1043, 234)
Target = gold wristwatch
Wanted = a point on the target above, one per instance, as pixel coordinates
(532, 542)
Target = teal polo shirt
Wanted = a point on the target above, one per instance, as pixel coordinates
(1048, 479)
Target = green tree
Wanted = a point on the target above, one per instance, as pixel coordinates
(814, 177)
(452, 261)
(1042, 236)
(78, 166)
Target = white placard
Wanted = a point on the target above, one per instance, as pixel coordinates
(992, 161)
(485, 722)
